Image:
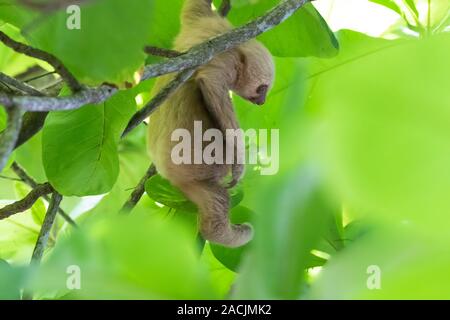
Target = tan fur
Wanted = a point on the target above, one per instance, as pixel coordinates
(205, 97)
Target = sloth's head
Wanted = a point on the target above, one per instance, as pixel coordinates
(256, 74)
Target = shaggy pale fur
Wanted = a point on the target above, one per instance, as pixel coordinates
(247, 70)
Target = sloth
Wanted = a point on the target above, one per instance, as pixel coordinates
(246, 70)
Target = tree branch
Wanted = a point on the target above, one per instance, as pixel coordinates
(138, 191)
(42, 55)
(143, 113)
(204, 52)
(22, 86)
(9, 136)
(197, 56)
(47, 225)
(75, 101)
(24, 177)
(27, 202)
(160, 52)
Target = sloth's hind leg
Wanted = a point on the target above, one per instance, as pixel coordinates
(214, 223)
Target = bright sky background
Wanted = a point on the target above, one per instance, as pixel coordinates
(359, 15)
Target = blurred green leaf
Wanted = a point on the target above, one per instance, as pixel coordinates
(12, 280)
(409, 267)
(129, 257)
(80, 146)
(291, 214)
(18, 235)
(389, 4)
(384, 138)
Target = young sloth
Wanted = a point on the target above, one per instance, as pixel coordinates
(247, 70)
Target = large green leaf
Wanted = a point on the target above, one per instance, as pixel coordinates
(165, 23)
(12, 280)
(129, 257)
(304, 34)
(80, 146)
(384, 138)
(291, 216)
(408, 266)
(107, 48)
(18, 235)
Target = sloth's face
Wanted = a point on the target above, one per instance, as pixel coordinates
(256, 74)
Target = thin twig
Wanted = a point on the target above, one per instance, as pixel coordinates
(160, 52)
(138, 191)
(26, 178)
(75, 101)
(22, 86)
(72, 82)
(9, 136)
(225, 8)
(143, 113)
(27, 202)
(47, 225)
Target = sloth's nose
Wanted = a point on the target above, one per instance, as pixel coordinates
(259, 100)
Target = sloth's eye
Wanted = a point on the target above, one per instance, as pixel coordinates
(262, 89)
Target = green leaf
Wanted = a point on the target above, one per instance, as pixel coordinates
(304, 34)
(408, 264)
(18, 235)
(12, 280)
(389, 4)
(13, 63)
(162, 191)
(412, 6)
(165, 23)
(289, 224)
(80, 146)
(108, 47)
(129, 257)
(384, 137)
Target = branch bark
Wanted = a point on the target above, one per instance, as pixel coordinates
(9, 136)
(138, 191)
(23, 175)
(44, 104)
(27, 202)
(160, 52)
(22, 86)
(47, 225)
